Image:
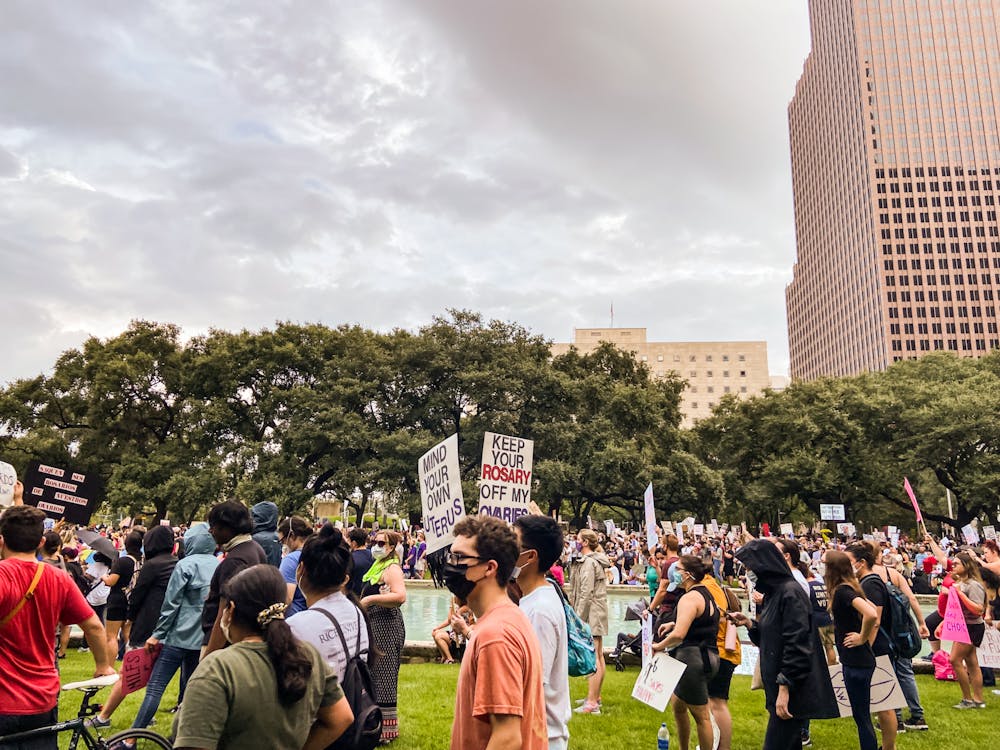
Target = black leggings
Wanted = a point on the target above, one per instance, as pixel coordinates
(933, 620)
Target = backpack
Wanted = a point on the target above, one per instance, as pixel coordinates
(904, 635)
(580, 643)
(366, 731)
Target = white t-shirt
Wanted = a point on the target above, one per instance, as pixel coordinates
(544, 609)
(315, 628)
(99, 594)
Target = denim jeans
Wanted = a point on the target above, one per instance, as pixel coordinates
(908, 684)
(169, 661)
(858, 684)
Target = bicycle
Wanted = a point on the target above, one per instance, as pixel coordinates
(140, 739)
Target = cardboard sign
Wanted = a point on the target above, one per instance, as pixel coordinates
(505, 476)
(886, 694)
(970, 534)
(136, 668)
(441, 493)
(8, 478)
(647, 499)
(954, 629)
(62, 492)
(657, 681)
(647, 640)
(831, 512)
(989, 651)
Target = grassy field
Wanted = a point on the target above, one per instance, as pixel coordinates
(427, 702)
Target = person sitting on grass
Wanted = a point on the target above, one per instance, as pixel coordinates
(447, 637)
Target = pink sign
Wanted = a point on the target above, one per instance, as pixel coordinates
(913, 499)
(136, 668)
(953, 628)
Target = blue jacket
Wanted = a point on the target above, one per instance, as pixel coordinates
(180, 616)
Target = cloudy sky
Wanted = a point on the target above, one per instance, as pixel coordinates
(230, 164)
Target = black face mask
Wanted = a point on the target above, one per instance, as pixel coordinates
(456, 582)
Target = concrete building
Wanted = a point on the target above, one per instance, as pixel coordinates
(712, 368)
(896, 170)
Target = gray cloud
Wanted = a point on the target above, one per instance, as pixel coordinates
(232, 164)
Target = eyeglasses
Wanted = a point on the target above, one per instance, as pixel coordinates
(456, 559)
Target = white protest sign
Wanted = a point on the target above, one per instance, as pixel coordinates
(847, 529)
(699, 529)
(892, 530)
(713, 527)
(787, 530)
(750, 655)
(990, 532)
(441, 493)
(8, 478)
(651, 536)
(609, 527)
(668, 528)
(831, 512)
(657, 681)
(989, 651)
(970, 534)
(505, 486)
(886, 694)
(647, 640)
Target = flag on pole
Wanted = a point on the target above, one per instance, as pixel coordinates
(913, 499)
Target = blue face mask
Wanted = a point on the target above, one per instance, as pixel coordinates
(676, 577)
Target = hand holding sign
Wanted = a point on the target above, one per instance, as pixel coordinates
(137, 666)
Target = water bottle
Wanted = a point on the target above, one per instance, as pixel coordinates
(663, 738)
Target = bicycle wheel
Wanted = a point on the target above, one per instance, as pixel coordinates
(140, 739)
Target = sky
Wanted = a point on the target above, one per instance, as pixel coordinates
(230, 164)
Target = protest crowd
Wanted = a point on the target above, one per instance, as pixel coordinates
(289, 633)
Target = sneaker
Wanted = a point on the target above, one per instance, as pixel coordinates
(96, 722)
(979, 704)
(900, 727)
(916, 725)
(963, 704)
(581, 701)
(806, 740)
(593, 709)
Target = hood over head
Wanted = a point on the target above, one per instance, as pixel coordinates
(197, 541)
(265, 516)
(157, 541)
(765, 559)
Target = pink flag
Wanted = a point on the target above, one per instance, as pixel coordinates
(954, 628)
(913, 499)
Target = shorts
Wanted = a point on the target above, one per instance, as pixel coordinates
(718, 686)
(693, 687)
(933, 620)
(976, 633)
(117, 606)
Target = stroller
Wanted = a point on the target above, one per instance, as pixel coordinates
(629, 641)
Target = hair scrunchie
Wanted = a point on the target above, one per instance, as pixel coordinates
(274, 612)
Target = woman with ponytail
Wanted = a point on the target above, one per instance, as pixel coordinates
(322, 574)
(267, 689)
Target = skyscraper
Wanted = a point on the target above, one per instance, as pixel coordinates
(896, 171)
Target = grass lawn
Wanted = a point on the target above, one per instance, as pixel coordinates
(427, 702)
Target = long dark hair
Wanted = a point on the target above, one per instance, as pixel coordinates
(258, 595)
(839, 572)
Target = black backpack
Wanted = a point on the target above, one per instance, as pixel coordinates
(366, 731)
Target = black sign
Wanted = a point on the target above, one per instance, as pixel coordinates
(62, 492)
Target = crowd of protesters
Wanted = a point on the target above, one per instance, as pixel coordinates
(253, 610)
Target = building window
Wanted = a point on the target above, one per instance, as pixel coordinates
(743, 373)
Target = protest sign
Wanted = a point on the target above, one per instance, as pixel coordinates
(890, 530)
(505, 476)
(886, 694)
(657, 680)
(970, 534)
(831, 512)
(647, 640)
(989, 532)
(62, 492)
(954, 629)
(846, 529)
(8, 478)
(989, 651)
(441, 493)
(748, 662)
(699, 529)
(787, 530)
(713, 527)
(668, 528)
(136, 668)
(651, 535)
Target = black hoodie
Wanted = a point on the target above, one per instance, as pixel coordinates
(790, 649)
(151, 585)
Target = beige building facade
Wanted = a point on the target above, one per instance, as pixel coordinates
(711, 368)
(895, 157)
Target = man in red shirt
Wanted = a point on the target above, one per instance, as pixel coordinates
(29, 689)
(499, 701)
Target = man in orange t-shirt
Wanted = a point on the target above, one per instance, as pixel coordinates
(499, 700)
